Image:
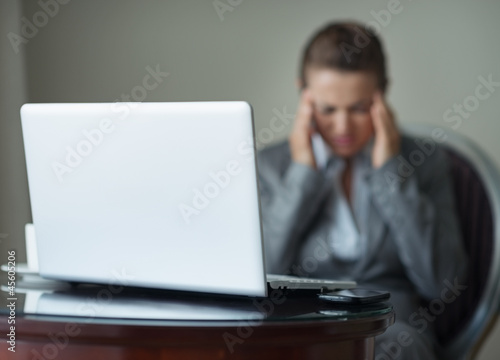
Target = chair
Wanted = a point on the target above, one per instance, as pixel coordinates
(465, 323)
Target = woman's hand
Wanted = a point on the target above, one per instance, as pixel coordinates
(387, 137)
(300, 136)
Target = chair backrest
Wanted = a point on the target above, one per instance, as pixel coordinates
(476, 183)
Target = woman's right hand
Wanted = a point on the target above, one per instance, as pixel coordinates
(300, 136)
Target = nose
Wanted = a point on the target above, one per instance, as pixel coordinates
(342, 123)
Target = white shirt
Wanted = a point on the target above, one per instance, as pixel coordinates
(346, 237)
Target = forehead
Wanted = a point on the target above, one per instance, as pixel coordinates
(334, 87)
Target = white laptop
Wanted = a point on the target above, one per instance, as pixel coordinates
(161, 195)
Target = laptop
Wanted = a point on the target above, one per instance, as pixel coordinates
(159, 195)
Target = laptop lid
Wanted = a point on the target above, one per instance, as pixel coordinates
(158, 195)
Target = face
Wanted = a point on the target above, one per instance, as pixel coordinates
(342, 102)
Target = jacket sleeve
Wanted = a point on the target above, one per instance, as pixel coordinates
(420, 212)
(289, 200)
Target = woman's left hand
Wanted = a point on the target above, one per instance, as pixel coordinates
(387, 138)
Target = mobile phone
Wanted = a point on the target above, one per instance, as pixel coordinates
(355, 296)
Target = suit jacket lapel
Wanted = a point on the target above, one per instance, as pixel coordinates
(370, 222)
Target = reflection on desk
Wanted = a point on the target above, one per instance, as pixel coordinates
(115, 323)
(92, 301)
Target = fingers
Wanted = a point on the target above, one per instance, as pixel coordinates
(305, 112)
(378, 110)
(300, 137)
(382, 116)
(387, 138)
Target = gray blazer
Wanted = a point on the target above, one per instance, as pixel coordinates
(413, 243)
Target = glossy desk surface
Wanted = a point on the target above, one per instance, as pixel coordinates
(116, 322)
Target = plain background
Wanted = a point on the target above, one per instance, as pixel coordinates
(97, 50)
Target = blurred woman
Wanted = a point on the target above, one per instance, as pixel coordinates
(341, 199)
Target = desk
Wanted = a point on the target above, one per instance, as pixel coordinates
(91, 322)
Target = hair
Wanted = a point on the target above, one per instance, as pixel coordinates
(345, 46)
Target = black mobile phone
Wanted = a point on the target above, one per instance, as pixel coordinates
(355, 296)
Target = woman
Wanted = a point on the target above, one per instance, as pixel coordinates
(363, 212)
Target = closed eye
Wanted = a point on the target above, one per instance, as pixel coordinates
(360, 109)
(327, 110)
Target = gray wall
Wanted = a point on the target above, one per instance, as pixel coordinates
(14, 203)
(96, 50)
